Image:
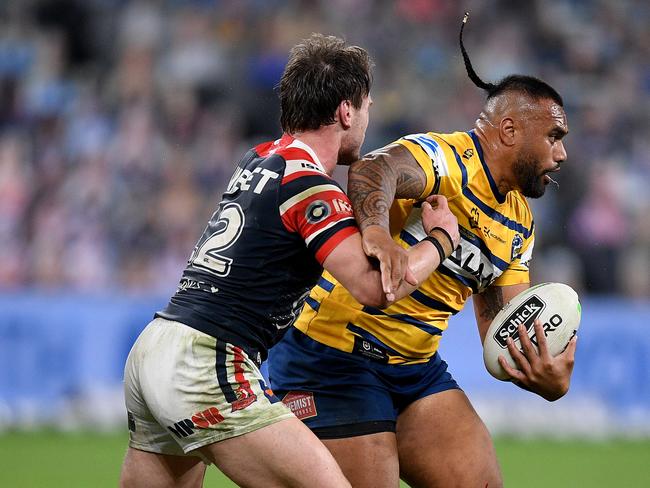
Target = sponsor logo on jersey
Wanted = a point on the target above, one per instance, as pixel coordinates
(524, 315)
(472, 263)
(200, 420)
(468, 153)
(317, 211)
(189, 284)
(301, 404)
(517, 244)
(488, 232)
(242, 180)
(473, 218)
(309, 165)
(341, 206)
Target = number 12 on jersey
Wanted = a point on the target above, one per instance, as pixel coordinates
(227, 225)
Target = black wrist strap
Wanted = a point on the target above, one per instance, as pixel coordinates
(436, 242)
(451, 242)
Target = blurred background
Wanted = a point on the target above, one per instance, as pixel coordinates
(121, 122)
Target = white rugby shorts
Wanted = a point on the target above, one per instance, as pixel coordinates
(185, 389)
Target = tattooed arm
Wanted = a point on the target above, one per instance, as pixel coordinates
(380, 177)
(489, 303)
(373, 183)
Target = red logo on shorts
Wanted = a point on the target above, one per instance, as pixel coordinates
(206, 418)
(200, 420)
(301, 404)
(245, 397)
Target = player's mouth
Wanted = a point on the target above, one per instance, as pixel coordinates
(547, 177)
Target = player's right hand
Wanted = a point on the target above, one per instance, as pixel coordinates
(436, 213)
(393, 259)
(538, 371)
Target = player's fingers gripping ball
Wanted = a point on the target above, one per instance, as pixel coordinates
(557, 307)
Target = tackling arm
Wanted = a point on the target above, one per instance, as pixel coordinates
(356, 272)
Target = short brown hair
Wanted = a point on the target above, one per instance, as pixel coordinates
(321, 72)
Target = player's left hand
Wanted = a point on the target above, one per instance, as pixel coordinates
(539, 372)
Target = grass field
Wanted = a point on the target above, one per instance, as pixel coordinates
(51, 459)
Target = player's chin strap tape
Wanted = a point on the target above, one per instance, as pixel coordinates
(433, 240)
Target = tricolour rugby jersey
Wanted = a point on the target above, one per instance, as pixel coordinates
(496, 245)
(263, 248)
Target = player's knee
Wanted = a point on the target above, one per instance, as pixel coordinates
(128, 474)
(492, 477)
(127, 477)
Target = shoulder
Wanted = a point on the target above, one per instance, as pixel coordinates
(441, 157)
(304, 183)
(456, 148)
(298, 159)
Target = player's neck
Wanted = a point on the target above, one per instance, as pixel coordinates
(325, 143)
(493, 157)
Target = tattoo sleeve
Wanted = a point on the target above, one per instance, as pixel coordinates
(380, 177)
(493, 302)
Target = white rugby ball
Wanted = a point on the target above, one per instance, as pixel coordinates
(556, 305)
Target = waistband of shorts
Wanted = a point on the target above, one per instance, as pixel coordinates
(254, 354)
(370, 353)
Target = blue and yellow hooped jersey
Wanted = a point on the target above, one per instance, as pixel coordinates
(496, 246)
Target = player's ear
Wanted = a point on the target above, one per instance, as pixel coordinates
(344, 114)
(507, 131)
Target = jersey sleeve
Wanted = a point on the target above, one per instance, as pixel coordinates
(518, 272)
(446, 174)
(314, 206)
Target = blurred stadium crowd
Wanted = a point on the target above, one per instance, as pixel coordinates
(121, 122)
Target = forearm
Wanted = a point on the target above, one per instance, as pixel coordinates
(490, 302)
(423, 259)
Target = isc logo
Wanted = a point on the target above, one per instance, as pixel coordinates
(525, 314)
(200, 420)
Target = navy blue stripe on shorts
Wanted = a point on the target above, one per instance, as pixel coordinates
(339, 394)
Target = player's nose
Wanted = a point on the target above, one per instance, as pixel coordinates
(559, 153)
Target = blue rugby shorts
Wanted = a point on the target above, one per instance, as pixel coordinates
(339, 394)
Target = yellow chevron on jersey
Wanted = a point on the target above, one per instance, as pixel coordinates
(497, 238)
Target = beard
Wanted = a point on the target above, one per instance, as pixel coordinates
(529, 174)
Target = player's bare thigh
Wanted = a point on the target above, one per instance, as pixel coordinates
(142, 468)
(442, 442)
(367, 461)
(283, 454)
